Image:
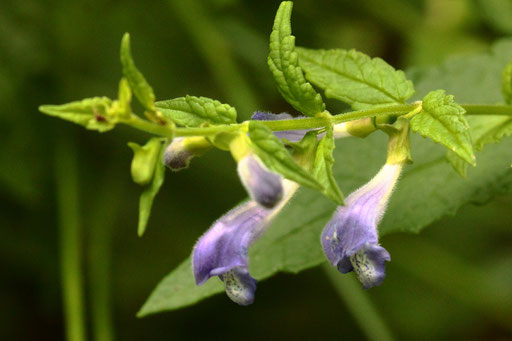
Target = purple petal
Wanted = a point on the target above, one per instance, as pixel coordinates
(225, 245)
(266, 116)
(223, 250)
(350, 238)
(290, 135)
(263, 186)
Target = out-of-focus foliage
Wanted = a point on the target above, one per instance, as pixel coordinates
(447, 283)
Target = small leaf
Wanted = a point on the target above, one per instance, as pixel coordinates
(442, 120)
(322, 167)
(355, 78)
(191, 111)
(92, 113)
(506, 83)
(138, 83)
(283, 63)
(124, 98)
(146, 198)
(275, 156)
(144, 160)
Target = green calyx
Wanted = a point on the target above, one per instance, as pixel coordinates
(399, 146)
(144, 160)
(362, 127)
(239, 145)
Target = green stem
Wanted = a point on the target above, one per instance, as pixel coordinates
(150, 127)
(309, 122)
(304, 123)
(67, 184)
(489, 109)
(359, 304)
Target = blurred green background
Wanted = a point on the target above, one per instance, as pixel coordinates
(444, 284)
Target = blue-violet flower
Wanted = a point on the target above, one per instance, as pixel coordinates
(181, 150)
(223, 250)
(350, 238)
(264, 187)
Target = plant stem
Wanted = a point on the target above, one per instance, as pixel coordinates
(488, 109)
(359, 305)
(67, 184)
(150, 127)
(309, 122)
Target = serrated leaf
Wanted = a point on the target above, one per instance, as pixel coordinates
(275, 156)
(92, 113)
(427, 191)
(322, 167)
(141, 88)
(145, 159)
(355, 78)
(283, 63)
(148, 195)
(191, 111)
(442, 120)
(506, 83)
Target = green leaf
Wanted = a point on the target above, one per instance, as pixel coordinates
(178, 289)
(493, 131)
(124, 98)
(145, 159)
(506, 83)
(138, 83)
(191, 111)
(275, 156)
(283, 63)
(92, 113)
(355, 78)
(458, 164)
(442, 120)
(147, 196)
(322, 167)
(427, 191)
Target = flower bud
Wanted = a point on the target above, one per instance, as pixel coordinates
(263, 186)
(181, 150)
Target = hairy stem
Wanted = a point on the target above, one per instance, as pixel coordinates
(309, 122)
(488, 109)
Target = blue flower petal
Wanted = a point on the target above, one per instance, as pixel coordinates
(225, 245)
(290, 135)
(223, 250)
(350, 238)
(263, 186)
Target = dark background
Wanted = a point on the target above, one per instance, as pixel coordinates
(58, 51)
